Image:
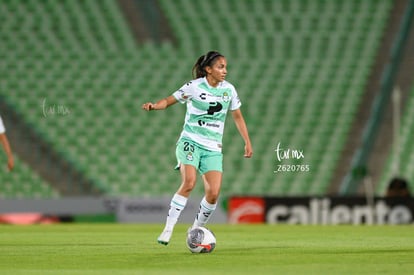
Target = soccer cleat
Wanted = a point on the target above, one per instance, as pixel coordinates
(165, 236)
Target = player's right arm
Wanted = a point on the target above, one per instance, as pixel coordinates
(161, 104)
(5, 142)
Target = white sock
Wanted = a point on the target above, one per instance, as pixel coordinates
(204, 213)
(177, 204)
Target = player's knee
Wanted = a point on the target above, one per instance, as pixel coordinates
(212, 196)
(189, 184)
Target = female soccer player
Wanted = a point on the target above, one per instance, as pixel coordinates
(208, 97)
(5, 142)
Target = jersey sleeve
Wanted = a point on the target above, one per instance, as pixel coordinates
(2, 128)
(235, 101)
(184, 94)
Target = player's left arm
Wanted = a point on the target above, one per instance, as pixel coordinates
(241, 126)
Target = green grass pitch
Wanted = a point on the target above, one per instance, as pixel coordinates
(241, 249)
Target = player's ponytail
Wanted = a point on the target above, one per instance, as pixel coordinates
(204, 61)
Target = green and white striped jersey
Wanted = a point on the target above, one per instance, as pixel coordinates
(207, 108)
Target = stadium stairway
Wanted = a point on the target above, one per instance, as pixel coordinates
(404, 80)
(405, 157)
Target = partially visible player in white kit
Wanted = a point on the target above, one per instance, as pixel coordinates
(6, 146)
(208, 97)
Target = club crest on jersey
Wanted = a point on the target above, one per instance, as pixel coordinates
(183, 95)
(189, 156)
(226, 97)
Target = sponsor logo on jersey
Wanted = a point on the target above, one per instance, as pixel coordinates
(208, 124)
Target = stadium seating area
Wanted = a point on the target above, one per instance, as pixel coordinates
(73, 70)
(406, 155)
(23, 182)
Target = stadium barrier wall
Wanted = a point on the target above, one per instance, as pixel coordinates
(270, 210)
(131, 210)
(321, 210)
(125, 210)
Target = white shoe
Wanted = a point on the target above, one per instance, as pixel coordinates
(165, 236)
